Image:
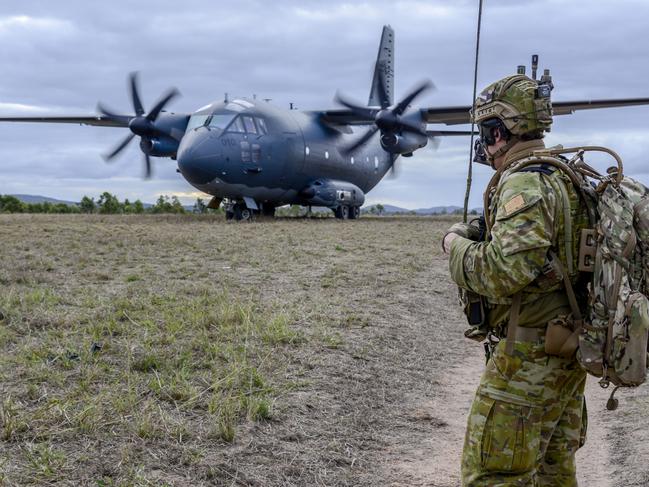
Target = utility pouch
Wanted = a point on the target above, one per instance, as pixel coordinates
(561, 337)
(474, 310)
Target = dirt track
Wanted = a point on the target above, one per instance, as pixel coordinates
(374, 393)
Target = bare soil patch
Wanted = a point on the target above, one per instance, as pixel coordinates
(144, 350)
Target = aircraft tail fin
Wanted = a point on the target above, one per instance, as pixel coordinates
(384, 64)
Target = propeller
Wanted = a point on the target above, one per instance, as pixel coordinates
(141, 124)
(389, 120)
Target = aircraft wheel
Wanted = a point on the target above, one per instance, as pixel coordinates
(342, 212)
(229, 215)
(354, 212)
(242, 213)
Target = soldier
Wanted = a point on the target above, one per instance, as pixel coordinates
(528, 417)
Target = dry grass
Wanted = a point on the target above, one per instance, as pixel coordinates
(176, 350)
(162, 350)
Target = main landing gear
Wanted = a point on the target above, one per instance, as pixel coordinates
(238, 212)
(344, 212)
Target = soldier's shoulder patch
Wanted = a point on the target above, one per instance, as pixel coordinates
(514, 204)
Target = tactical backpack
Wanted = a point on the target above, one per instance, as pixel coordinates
(612, 333)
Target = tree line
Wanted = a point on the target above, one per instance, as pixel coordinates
(107, 204)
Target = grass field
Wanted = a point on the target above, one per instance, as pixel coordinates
(146, 350)
(160, 350)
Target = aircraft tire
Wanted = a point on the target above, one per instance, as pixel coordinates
(241, 213)
(354, 212)
(342, 212)
(229, 215)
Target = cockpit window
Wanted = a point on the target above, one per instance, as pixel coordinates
(250, 125)
(196, 120)
(236, 125)
(261, 124)
(220, 120)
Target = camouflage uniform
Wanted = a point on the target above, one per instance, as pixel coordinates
(528, 418)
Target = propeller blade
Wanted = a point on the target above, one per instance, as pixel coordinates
(360, 111)
(155, 111)
(433, 141)
(119, 148)
(394, 171)
(411, 126)
(113, 116)
(447, 133)
(147, 166)
(361, 141)
(403, 104)
(137, 103)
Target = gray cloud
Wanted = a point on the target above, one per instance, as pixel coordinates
(62, 57)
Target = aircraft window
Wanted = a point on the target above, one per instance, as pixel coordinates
(376, 162)
(307, 150)
(220, 120)
(326, 154)
(256, 153)
(236, 125)
(261, 124)
(245, 151)
(250, 125)
(352, 160)
(196, 120)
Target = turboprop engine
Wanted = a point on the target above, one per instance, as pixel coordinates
(332, 193)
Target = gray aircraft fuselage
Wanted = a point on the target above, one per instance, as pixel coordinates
(249, 148)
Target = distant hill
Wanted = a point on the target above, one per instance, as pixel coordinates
(433, 210)
(387, 209)
(30, 198)
(438, 210)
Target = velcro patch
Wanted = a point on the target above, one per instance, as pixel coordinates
(514, 204)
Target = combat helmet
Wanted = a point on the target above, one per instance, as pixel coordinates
(519, 104)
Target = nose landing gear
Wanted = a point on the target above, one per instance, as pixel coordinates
(237, 210)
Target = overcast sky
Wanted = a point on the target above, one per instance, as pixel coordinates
(60, 58)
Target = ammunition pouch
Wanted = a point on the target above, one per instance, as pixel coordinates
(562, 337)
(473, 306)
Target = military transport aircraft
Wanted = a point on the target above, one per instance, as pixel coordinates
(254, 157)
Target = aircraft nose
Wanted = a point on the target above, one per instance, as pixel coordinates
(196, 161)
(194, 169)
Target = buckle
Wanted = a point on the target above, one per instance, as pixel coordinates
(587, 249)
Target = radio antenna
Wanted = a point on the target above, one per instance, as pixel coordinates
(469, 176)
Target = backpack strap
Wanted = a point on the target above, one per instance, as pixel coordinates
(513, 322)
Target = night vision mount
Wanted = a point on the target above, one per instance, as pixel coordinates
(545, 85)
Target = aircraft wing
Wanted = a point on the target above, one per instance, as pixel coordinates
(460, 114)
(455, 115)
(102, 121)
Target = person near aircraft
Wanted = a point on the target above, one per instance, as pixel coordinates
(528, 417)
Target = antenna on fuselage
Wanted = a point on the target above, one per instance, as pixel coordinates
(290, 104)
(225, 97)
(267, 100)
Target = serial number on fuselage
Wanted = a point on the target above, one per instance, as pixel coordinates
(228, 142)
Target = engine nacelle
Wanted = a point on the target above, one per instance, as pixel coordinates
(160, 147)
(332, 193)
(403, 143)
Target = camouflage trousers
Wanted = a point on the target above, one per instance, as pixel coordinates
(527, 421)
